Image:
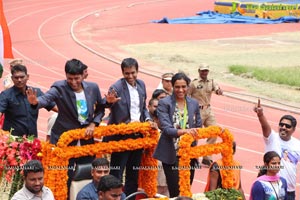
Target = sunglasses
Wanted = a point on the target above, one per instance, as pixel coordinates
(284, 124)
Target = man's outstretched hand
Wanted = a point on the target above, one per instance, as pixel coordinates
(112, 96)
(32, 96)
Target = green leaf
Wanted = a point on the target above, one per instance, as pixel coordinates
(226, 194)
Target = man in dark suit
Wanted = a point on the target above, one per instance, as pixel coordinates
(130, 108)
(80, 105)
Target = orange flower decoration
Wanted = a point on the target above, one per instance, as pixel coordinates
(55, 158)
(186, 152)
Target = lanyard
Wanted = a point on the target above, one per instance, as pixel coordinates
(276, 188)
(183, 120)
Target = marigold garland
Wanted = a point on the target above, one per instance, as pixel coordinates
(101, 131)
(56, 157)
(186, 152)
(148, 172)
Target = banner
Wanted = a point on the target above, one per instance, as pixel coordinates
(266, 9)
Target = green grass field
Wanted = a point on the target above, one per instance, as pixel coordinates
(269, 62)
(283, 75)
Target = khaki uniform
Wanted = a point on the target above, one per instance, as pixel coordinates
(202, 91)
(7, 82)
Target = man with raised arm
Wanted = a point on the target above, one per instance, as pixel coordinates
(284, 144)
(80, 105)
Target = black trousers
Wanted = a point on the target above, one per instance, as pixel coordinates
(131, 160)
(172, 176)
(291, 195)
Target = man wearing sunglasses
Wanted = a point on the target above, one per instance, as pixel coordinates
(284, 144)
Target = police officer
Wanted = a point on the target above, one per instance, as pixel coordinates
(7, 81)
(165, 83)
(201, 89)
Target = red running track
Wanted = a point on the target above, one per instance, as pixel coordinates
(44, 34)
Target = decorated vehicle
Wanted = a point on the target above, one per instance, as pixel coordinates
(15, 152)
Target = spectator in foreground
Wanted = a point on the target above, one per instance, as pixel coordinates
(100, 168)
(33, 183)
(217, 173)
(269, 185)
(110, 188)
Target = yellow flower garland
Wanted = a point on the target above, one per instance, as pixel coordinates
(55, 158)
(186, 152)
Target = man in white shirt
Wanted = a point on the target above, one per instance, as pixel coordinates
(33, 188)
(130, 108)
(284, 144)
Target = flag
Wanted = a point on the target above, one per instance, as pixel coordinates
(5, 41)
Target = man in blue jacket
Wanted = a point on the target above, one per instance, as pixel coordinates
(80, 105)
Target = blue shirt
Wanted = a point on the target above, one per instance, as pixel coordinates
(263, 190)
(19, 114)
(89, 192)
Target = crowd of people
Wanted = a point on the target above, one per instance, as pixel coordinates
(177, 107)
